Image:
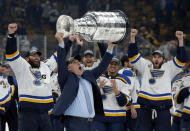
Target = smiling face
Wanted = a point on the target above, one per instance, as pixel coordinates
(157, 61)
(88, 60)
(75, 67)
(113, 68)
(34, 60)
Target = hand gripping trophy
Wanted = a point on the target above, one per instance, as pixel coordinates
(96, 26)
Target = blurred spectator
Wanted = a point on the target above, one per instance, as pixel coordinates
(156, 20)
(53, 15)
(46, 8)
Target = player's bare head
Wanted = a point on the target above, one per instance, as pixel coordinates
(157, 59)
(114, 66)
(34, 58)
(88, 58)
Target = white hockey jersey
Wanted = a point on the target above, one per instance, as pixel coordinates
(96, 63)
(34, 87)
(155, 89)
(134, 85)
(6, 93)
(110, 103)
(186, 107)
(55, 85)
(176, 86)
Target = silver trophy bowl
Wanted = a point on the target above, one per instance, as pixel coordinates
(101, 27)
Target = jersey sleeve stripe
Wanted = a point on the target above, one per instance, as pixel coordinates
(178, 63)
(12, 57)
(135, 58)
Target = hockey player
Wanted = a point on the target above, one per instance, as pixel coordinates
(11, 114)
(182, 97)
(89, 60)
(131, 110)
(155, 96)
(115, 90)
(35, 93)
(176, 86)
(7, 92)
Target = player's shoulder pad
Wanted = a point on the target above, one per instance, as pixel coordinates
(123, 78)
(128, 73)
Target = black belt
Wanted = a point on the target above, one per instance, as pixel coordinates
(80, 118)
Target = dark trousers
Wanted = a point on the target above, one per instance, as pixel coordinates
(161, 123)
(57, 123)
(176, 124)
(130, 124)
(0, 123)
(185, 125)
(75, 124)
(108, 126)
(34, 121)
(11, 117)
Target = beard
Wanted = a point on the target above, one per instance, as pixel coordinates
(157, 66)
(34, 64)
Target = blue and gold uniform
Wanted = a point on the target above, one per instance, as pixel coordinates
(155, 95)
(34, 89)
(115, 107)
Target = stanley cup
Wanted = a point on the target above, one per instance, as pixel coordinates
(101, 27)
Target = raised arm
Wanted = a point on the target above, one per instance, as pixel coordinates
(79, 45)
(52, 61)
(180, 59)
(133, 53)
(11, 46)
(105, 61)
(17, 63)
(61, 60)
(102, 48)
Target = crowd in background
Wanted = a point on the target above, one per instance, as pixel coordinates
(156, 20)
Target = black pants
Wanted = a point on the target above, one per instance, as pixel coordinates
(11, 117)
(34, 121)
(160, 123)
(74, 124)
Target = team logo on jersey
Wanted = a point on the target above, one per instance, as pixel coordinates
(155, 74)
(107, 90)
(37, 76)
